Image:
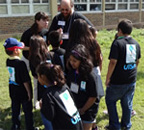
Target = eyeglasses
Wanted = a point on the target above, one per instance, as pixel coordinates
(65, 10)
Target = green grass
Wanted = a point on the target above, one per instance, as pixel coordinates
(105, 39)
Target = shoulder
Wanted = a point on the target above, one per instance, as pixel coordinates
(26, 35)
(58, 16)
(77, 15)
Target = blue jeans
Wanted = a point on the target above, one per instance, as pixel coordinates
(125, 94)
(47, 123)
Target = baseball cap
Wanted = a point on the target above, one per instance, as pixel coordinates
(12, 43)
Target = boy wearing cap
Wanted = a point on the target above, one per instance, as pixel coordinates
(20, 88)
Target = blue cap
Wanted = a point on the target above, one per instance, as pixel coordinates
(12, 44)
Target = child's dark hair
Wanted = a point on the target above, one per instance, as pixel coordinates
(53, 73)
(38, 50)
(8, 52)
(54, 38)
(125, 26)
(81, 53)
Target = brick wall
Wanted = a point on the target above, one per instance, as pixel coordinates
(11, 26)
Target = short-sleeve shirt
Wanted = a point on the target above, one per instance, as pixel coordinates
(59, 22)
(26, 39)
(59, 108)
(126, 51)
(18, 75)
(84, 89)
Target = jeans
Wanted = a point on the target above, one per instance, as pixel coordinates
(47, 123)
(27, 109)
(125, 94)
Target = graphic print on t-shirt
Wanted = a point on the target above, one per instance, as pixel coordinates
(68, 103)
(11, 71)
(130, 53)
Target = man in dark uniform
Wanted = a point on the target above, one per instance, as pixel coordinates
(64, 20)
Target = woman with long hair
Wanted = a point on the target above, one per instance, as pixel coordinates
(39, 27)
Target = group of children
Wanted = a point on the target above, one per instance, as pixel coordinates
(69, 82)
(67, 89)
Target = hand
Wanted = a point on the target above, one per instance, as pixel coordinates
(29, 97)
(60, 30)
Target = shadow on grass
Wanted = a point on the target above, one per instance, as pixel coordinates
(6, 122)
(102, 117)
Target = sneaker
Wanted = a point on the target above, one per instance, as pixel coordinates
(133, 113)
(37, 106)
(36, 128)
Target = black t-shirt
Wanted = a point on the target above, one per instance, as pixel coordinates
(26, 39)
(60, 52)
(59, 108)
(85, 87)
(126, 51)
(59, 22)
(18, 75)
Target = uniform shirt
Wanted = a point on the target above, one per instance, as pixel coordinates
(18, 75)
(60, 52)
(126, 51)
(84, 88)
(59, 22)
(26, 39)
(59, 108)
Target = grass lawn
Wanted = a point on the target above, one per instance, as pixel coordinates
(105, 39)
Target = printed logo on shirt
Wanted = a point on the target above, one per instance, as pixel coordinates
(129, 66)
(130, 57)
(76, 119)
(83, 86)
(11, 71)
(68, 103)
(130, 53)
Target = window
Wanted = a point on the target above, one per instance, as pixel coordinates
(22, 7)
(95, 5)
(121, 5)
(142, 4)
(110, 5)
(80, 5)
(3, 1)
(134, 4)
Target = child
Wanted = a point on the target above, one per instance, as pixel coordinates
(57, 105)
(82, 85)
(39, 53)
(121, 76)
(55, 40)
(19, 85)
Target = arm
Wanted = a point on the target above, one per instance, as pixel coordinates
(88, 104)
(27, 87)
(25, 48)
(111, 68)
(137, 62)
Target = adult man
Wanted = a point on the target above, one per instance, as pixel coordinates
(64, 20)
(121, 76)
